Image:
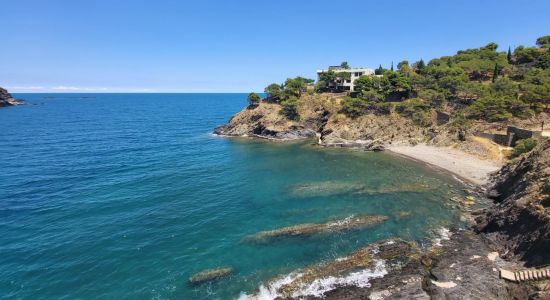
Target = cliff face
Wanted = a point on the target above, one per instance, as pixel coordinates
(521, 218)
(265, 121)
(7, 100)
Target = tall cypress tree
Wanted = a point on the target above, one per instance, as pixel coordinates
(495, 73)
(509, 56)
(420, 66)
(379, 71)
(391, 66)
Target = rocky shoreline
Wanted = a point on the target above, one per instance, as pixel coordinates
(513, 233)
(6, 99)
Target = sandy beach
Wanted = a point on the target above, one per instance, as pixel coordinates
(464, 165)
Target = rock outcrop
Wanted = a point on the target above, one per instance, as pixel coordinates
(521, 218)
(265, 121)
(320, 117)
(7, 100)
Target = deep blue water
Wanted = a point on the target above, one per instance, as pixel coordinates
(109, 196)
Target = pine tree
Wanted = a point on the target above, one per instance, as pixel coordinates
(420, 65)
(379, 71)
(391, 66)
(509, 56)
(495, 73)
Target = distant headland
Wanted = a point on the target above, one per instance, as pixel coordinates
(6, 99)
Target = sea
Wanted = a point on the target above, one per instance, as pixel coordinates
(126, 196)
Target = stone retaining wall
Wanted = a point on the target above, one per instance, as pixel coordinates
(513, 134)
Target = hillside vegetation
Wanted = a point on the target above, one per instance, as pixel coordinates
(474, 84)
(442, 102)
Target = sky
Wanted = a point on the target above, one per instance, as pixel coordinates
(238, 46)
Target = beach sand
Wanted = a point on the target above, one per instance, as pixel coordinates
(464, 165)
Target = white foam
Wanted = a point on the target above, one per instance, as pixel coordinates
(270, 291)
(320, 286)
(343, 222)
(442, 234)
(360, 279)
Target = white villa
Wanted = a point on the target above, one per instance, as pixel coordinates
(344, 85)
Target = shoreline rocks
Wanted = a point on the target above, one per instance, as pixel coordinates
(6, 99)
(520, 220)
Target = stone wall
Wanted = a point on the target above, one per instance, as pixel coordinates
(513, 134)
(442, 118)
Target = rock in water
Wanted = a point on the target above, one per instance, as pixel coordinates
(209, 275)
(349, 223)
(348, 272)
(7, 100)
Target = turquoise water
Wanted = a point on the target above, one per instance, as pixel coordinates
(127, 195)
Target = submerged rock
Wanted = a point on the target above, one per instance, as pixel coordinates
(402, 214)
(209, 275)
(327, 188)
(406, 187)
(352, 222)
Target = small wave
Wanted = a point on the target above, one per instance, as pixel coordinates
(342, 222)
(318, 287)
(441, 234)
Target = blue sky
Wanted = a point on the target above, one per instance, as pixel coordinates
(237, 46)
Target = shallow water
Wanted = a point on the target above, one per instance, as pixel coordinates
(128, 195)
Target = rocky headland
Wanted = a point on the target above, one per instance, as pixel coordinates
(6, 99)
(512, 234)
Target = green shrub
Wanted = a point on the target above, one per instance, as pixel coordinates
(523, 146)
(354, 107)
(253, 99)
(411, 106)
(497, 108)
(290, 108)
(384, 108)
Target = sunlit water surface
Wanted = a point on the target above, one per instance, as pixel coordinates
(127, 195)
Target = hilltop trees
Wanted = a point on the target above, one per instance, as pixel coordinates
(292, 87)
(543, 41)
(253, 99)
(288, 94)
(480, 83)
(419, 66)
(295, 86)
(331, 78)
(379, 71)
(274, 92)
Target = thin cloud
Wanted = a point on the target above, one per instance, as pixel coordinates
(26, 88)
(75, 88)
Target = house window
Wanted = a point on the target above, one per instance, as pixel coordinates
(357, 74)
(348, 81)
